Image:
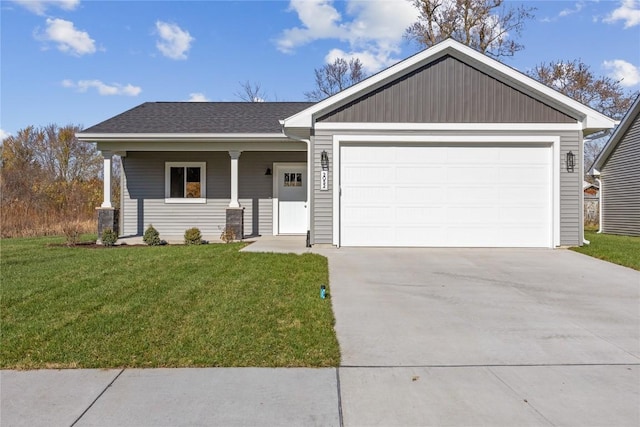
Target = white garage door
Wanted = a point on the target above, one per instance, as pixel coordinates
(458, 196)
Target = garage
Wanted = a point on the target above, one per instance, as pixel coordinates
(448, 195)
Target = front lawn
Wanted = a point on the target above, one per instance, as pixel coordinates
(167, 306)
(623, 250)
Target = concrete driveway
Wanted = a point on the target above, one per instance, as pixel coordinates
(486, 336)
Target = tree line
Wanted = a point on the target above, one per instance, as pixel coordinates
(50, 182)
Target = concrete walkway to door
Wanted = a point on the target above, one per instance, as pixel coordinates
(486, 337)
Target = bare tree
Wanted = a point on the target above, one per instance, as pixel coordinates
(251, 92)
(488, 26)
(334, 77)
(603, 94)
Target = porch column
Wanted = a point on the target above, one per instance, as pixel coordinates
(107, 156)
(235, 155)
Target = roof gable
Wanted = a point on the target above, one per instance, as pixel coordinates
(446, 90)
(633, 115)
(591, 120)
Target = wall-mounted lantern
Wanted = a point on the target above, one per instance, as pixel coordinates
(324, 173)
(268, 171)
(324, 160)
(571, 161)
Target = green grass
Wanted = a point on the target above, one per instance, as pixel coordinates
(623, 250)
(171, 306)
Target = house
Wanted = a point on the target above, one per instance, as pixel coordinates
(446, 148)
(590, 189)
(618, 170)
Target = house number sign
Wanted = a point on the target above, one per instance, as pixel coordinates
(324, 180)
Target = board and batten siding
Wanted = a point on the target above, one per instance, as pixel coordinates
(621, 185)
(143, 195)
(571, 230)
(446, 91)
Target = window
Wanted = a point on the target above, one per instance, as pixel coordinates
(185, 182)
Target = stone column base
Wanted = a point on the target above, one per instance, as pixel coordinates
(235, 222)
(108, 218)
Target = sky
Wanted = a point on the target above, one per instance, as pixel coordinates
(83, 61)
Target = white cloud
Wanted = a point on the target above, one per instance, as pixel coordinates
(67, 37)
(103, 88)
(4, 134)
(577, 8)
(174, 42)
(197, 97)
(373, 29)
(39, 7)
(629, 12)
(627, 73)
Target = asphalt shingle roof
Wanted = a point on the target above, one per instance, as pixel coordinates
(201, 117)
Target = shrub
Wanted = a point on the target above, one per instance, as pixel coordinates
(228, 235)
(71, 230)
(192, 236)
(109, 237)
(151, 236)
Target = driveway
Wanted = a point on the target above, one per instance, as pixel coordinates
(486, 336)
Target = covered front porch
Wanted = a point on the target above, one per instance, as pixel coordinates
(251, 188)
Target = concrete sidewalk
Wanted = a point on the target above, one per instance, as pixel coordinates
(349, 396)
(170, 397)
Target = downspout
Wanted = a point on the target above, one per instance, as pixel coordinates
(600, 188)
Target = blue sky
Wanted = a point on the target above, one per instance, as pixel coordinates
(81, 62)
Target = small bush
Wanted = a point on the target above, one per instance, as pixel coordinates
(192, 236)
(109, 237)
(71, 230)
(228, 235)
(151, 236)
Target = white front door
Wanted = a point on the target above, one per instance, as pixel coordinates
(291, 195)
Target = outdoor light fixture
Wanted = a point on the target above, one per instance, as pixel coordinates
(324, 160)
(268, 171)
(571, 161)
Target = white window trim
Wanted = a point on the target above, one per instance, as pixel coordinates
(185, 200)
(526, 140)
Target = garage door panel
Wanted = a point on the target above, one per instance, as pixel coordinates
(476, 194)
(358, 174)
(417, 194)
(468, 174)
(417, 215)
(519, 194)
(368, 193)
(468, 214)
(524, 175)
(367, 214)
(446, 196)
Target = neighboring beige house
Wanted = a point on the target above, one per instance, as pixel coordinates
(447, 148)
(618, 170)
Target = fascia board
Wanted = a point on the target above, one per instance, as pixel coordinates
(180, 137)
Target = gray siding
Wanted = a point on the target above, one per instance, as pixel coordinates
(570, 183)
(446, 91)
(143, 200)
(621, 185)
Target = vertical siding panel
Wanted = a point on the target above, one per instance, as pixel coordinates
(446, 90)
